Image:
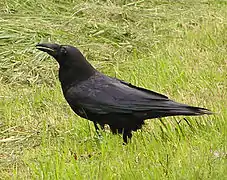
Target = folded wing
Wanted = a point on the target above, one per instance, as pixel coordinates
(109, 95)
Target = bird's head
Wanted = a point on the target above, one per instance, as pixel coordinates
(73, 65)
(62, 53)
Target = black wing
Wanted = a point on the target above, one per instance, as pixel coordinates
(106, 95)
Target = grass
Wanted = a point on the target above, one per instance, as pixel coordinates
(177, 48)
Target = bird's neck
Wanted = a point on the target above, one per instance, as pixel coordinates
(72, 75)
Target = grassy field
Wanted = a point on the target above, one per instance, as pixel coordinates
(175, 47)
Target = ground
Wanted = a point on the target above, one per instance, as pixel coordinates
(174, 47)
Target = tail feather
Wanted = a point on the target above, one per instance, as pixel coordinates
(177, 109)
(189, 111)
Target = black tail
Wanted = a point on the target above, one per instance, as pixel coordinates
(189, 111)
(171, 108)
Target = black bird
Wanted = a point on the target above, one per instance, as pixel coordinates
(106, 100)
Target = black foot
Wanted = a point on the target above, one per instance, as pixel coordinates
(97, 129)
(127, 135)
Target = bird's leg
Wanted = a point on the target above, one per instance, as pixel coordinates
(96, 127)
(127, 135)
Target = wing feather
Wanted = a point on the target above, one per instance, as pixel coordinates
(109, 95)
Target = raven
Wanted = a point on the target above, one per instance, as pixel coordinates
(106, 100)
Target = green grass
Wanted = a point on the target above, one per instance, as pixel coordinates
(175, 47)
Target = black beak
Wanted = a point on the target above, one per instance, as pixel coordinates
(51, 49)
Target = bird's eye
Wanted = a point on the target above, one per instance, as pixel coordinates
(63, 51)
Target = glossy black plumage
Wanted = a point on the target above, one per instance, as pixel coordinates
(105, 100)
